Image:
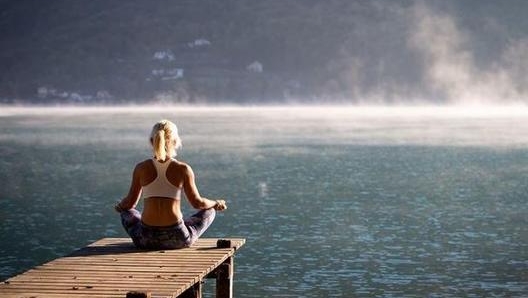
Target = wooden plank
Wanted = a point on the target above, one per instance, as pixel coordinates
(101, 275)
(112, 267)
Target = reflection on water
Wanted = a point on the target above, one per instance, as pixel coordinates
(334, 202)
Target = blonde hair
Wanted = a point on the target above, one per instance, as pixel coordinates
(165, 140)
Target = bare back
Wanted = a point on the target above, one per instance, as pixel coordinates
(160, 211)
(163, 211)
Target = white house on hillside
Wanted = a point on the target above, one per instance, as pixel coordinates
(200, 42)
(255, 67)
(164, 55)
(167, 74)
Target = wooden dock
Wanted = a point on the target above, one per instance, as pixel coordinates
(113, 267)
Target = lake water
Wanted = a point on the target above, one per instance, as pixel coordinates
(333, 201)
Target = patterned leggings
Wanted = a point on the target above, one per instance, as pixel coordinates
(182, 234)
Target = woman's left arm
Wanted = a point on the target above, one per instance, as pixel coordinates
(134, 193)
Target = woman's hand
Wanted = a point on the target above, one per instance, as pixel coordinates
(117, 207)
(220, 205)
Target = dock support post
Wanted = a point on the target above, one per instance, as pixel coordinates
(224, 273)
(193, 292)
(224, 279)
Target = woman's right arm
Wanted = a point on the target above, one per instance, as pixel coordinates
(192, 194)
(134, 193)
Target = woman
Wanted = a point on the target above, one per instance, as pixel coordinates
(160, 181)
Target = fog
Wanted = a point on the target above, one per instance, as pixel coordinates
(450, 63)
(250, 128)
(454, 53)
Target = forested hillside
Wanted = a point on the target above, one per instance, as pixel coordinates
(248, 51)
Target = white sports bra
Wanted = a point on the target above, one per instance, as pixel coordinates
(161, 187)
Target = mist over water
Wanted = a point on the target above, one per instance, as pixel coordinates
(448, 52)
(450, 63)
(456, 125)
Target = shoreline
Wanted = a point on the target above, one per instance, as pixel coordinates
(361, 111)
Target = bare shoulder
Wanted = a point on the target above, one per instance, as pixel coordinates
(179, 172)
(180, 165)
(144, 165)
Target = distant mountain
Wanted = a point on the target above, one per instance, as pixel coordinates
(255, 51)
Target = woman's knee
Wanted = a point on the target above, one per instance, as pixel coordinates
(204, 215)
(130, 218)
(199, 222)
(207, 217)
(210, 213)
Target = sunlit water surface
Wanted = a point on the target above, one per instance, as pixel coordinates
(333, 202)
